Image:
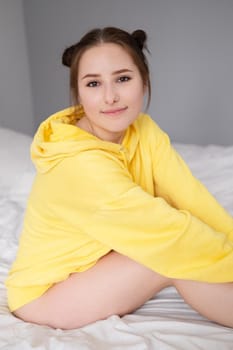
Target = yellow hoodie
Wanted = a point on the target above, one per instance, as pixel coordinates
(138, 198)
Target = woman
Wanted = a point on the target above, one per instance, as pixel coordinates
(114, 214)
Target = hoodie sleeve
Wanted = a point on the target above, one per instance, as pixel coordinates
(97, 196)
(175, 182)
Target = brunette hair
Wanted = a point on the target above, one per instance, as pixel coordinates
(134, 44)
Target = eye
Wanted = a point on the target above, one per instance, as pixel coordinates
(93, 84)
(124, 78)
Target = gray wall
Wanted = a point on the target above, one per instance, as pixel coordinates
(16, 111)
(191, 58)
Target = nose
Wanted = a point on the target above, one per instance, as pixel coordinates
(110, 95)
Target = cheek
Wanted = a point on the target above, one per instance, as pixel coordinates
(138, 100)
(88, 98)
(137, 96)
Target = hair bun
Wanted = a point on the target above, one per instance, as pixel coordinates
(68, 55)
(140, 36)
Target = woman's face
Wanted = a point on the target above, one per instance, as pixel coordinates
(111, 91)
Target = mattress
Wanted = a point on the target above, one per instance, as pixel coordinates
(165, 322)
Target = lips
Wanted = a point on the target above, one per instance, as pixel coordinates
(114, 111)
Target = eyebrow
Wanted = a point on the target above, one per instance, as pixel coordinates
(120, 71)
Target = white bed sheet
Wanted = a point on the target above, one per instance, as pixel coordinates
(164, 323)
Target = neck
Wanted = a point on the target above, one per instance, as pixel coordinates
(85, 124)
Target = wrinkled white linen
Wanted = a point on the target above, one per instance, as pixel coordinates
(164, 323)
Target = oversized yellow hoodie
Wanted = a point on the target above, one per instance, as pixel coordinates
(138, 198)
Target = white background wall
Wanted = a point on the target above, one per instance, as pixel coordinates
(191, 44)
(16, 107)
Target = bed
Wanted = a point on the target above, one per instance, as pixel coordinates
(164, 323)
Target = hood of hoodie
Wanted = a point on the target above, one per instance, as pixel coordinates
(59, 137)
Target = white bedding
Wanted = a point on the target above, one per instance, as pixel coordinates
(163, 323)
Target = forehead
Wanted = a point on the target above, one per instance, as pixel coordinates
(106, 55)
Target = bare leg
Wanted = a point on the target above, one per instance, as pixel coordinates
(119, 285)
(212, 300)
(115, 285)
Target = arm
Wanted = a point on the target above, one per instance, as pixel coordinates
(97, 196)
(175, 182)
